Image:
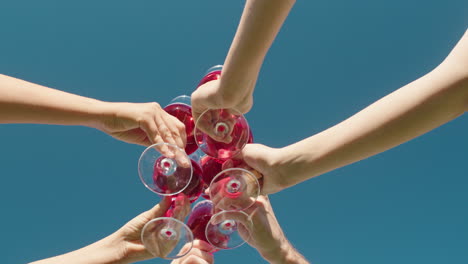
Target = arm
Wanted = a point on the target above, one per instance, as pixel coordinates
(267, 236)
(123, 246)
(427, 103)
(260, 23)
(144, 124)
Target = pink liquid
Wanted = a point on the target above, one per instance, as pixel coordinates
(215, 75)
(183, 112)
(195, 187)
(239, 134)
(210, 167)
(169, 183)
(180, 178)
(225, 150)
(250, 141)
(199, 219)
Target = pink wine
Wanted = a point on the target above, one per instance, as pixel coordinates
(170, 178)
(198, 221)
(195, 187)
(211, 76)
(183, 112)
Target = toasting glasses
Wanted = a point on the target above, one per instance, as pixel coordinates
(223, 230)
(168, 170)
(180, 108)
(168, 237)
(220, 133)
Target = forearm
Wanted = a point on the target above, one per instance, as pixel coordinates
(258, 27)
(413, 110)
(286, 254)
(105, 251)
(25, 102)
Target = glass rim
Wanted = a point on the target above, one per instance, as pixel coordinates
(140, 174)
(170, 219)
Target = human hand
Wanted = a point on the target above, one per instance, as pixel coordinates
(130, 234)
(143, 124)
(258, 226)
(200, 254)
(236, 172)
(213, 95)
(262, 231)
(269, 162)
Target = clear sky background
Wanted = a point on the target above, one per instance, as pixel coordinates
(65, 187)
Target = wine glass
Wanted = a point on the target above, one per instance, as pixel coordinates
(167, 237)
(196, 185)
(180, 107)
(212, 166)
(235, 189)
(170, 176)
(163, 174)
(213, 73)
(220, 133)
(223, 230)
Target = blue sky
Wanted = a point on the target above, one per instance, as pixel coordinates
(65, 187)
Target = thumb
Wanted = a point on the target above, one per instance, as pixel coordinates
(256, 156)
(159, 209)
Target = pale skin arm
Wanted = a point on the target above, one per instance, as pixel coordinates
(137, 123)
(25, 102)
(125, 245)
(266, 235)
(427, 103)
(260, 23)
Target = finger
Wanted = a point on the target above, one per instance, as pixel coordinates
(241, 219)
(159, 209)
(202, 245)
(191, 259)
(181, 207)
(227, 164)
(164, 131)
(163, 148)
(199, 255)
(212, 125)
(252, 155)
(197, 106)
(204, 121)
(151, 130)
(146, 142)
(178, 131)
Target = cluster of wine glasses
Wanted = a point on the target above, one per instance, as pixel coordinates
(207, 167)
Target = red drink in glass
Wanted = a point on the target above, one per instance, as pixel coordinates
(168, 182)
(195, 187)
(198, 221)
(183, 112)
(211, 76)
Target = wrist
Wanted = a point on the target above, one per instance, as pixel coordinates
(111, 250)
(98, 111)
(104, 115)
(237, 85)
(283, 254)
(290, 164)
